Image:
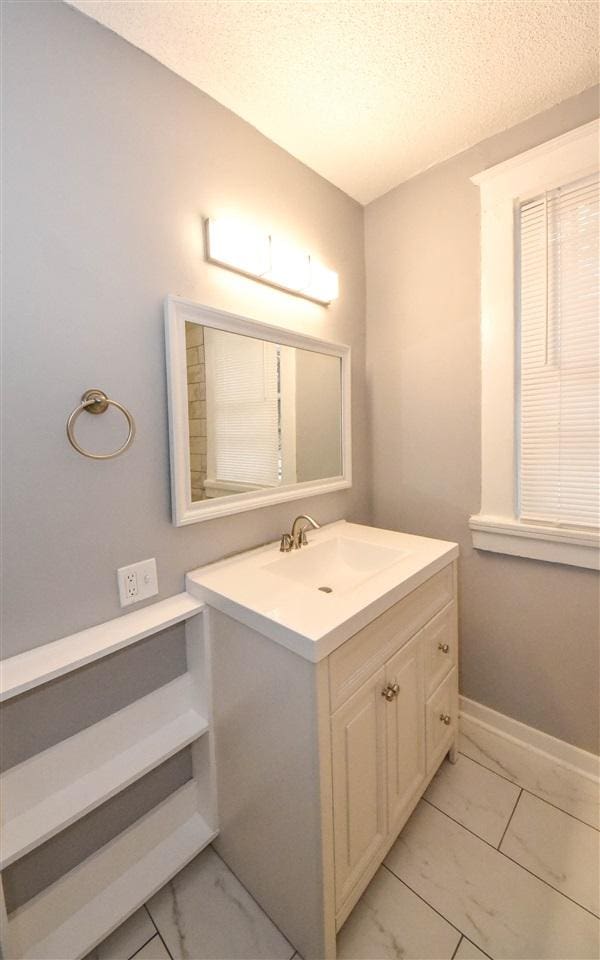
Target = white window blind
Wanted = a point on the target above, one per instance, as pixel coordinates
(243, 409)
(558, 385)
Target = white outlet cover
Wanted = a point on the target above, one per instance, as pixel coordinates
(147, 581)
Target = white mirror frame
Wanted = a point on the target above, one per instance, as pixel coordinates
(185, 510)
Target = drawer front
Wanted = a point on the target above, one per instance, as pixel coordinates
(440, 639)
(441, 706)
(364, 653)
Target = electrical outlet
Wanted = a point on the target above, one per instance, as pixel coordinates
(131, 587)
(137, 582)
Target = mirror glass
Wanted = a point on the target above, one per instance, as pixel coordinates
(261, 414)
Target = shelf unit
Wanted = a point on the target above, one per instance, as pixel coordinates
(34, 667)
(53, 789)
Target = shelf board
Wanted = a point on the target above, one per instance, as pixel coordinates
(37, 666)
(53, 789)
(72, 916)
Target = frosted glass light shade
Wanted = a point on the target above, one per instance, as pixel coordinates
(238, 245)
(324, 283)
(249, 250)
(290, 266)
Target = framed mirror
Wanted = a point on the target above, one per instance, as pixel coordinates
(257, 414)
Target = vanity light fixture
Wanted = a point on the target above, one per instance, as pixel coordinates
(324, 283)
(245, 249)
(290, 266)
(238, 245)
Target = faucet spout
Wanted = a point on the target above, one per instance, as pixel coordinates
(299, 530)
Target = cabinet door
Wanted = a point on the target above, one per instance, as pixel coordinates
(359, 801)
(405, 721)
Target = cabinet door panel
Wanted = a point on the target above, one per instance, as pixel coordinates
(442, 720)
(405, 721)
(358, 754)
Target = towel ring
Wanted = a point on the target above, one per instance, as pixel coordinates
(96, 401)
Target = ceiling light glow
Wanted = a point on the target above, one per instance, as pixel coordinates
(245, 248)
(324, 283)
(290, 266)
(238, 245)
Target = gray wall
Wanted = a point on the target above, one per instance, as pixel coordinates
(529, 630)
(109, 162)
(318, 420)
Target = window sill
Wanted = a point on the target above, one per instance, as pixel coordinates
(578, 548)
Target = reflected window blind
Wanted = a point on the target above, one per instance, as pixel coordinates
(559, 357)
(245, 409)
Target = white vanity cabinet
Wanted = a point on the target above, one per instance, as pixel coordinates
(389, 736)
(320, 764)
(378, 763)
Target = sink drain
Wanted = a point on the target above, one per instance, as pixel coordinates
(325, 589)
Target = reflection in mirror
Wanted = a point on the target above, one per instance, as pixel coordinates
(261, 414)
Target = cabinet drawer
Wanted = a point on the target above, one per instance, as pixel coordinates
(440, 639)
(443, 704)
(364, 653)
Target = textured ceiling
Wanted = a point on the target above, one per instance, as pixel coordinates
(370, 93)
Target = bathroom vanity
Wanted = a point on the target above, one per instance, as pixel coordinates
(333, 709)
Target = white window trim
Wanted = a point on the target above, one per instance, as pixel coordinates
(503, 187)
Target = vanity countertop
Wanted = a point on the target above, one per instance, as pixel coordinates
(364, 570)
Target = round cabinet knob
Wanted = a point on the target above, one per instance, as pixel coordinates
(444, 647)
(392, 690)
(445, 718)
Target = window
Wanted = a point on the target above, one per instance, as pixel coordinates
(540, 353)
(249, 388)
(558, 398)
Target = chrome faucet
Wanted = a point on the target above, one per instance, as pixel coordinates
(297, 538)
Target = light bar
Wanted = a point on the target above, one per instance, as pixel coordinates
(245, 249)
(290, 267)
(324, 283)
(239, 246)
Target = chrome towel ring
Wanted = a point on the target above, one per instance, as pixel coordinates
(96, 401)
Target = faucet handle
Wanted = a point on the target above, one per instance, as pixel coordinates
(286, 543)
(303, 540)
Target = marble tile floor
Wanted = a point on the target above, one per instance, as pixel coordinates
(485, 867)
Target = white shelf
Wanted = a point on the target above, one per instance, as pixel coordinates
(45, 794)
(54, 788)
(37, 666)
(69, 918)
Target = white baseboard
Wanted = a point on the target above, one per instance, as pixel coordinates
(565, 754)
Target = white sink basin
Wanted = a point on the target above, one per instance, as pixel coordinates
(335, 566)
(280, 595)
